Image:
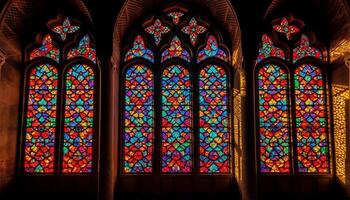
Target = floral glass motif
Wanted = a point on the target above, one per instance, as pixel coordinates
(41, 115)
(139, 50)
(273, 122)
(157, 30)
(285, 28)
(311, 121)
(138, 117)
(47, 49)
(175, 51)
(212, 50)
(304, 50)
(83, 50)
(269, 50)
(79, 120)
(214, 133)
(176, 120)
(176, 17)
(193, 30)
(64, 29)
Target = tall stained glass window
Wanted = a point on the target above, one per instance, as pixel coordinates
(302, 125)
(79, 119)
(176, 113)
(214, 132)
(274, 136)
(42, 132)
(139, 120)
(176, 120)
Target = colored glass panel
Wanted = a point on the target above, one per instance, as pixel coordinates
(269, 50)
(214, 131)
(39, 144)
(157, 30)
(193, 30)
(304, 50)
(138, 120)
(47, 49)
(286, 28)
(139, 50)
(176, 120)
(83, 50)
(79, 120)
(212, 49)
(274, 135)
(311, 121)
(176, 16)
(175, 51)
(64, 29)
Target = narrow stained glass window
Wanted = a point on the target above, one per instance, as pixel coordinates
(41, 114)
(83, 50)
(138, 117)
(311, 122)
(79, 119)
(214, 120)
(176, 120)
(274, 135)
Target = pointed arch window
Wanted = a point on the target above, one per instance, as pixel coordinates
(293, 132)
(56, 142)
(182, 122)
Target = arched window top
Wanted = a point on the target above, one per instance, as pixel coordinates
(291, 28)
(64, 29)
(176, 51)
(212, 50)
(47, 49)
(139, 50)
(304, 49)
(84, 50)
(268, 49)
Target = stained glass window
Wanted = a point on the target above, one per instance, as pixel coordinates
(176, 51)
(138, 116)
(176, 113)
(68, 136)
(139, 50)
(83, 50)
(40, 127)
(304, 50)
(273, 121)
(79, 119)
(311, 121)
(214, 120)
(47, 49)
(212, 49)
(269, 50)
(306, 89)
(176, 120)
